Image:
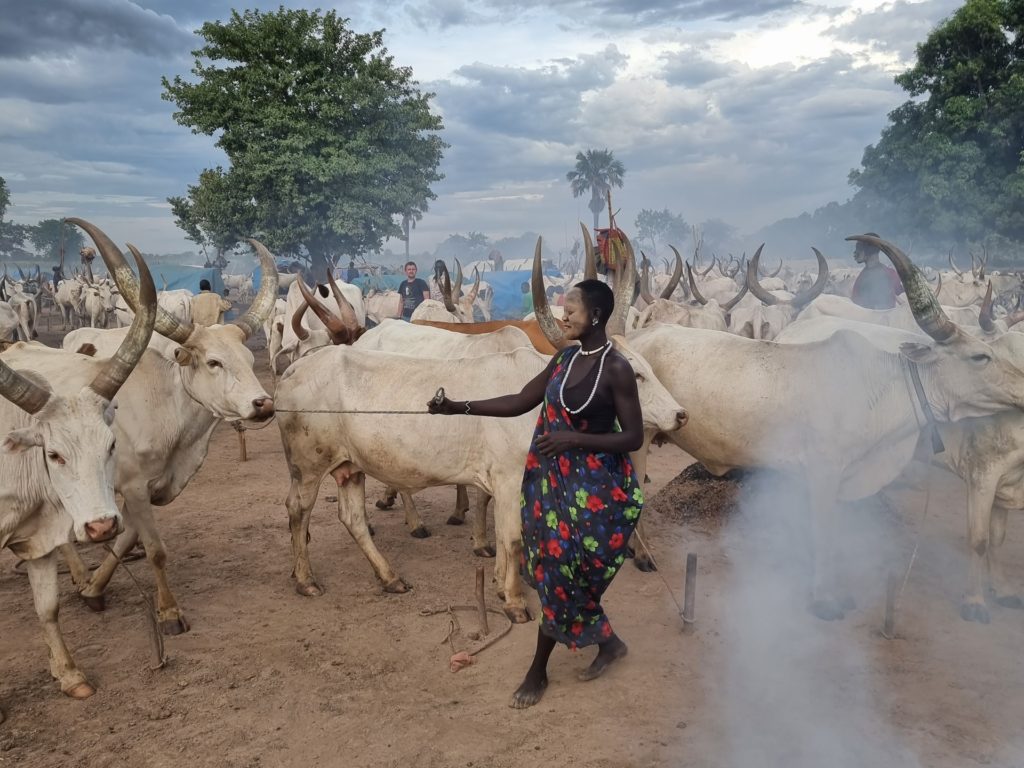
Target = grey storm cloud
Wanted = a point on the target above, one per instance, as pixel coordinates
(897, 27)
(34, 29)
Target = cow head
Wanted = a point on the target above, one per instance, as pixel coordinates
(214, 363)
(767, 321)
(964, 376)
(73, 433)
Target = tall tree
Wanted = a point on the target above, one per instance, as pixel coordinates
(661, 227)
(596, 171)
(949, 161)
(12, 236)
(46, 238)
(331, 143)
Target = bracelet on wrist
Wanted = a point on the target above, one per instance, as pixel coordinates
(467, 408)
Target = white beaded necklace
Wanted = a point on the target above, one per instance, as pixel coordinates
(600, 367)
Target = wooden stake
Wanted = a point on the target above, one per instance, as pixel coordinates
(690, 596)
(481, 605)
(241, 441)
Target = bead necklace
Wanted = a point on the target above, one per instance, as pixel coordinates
(594, 351)
(600, 367)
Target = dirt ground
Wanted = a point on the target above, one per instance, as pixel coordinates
(359, 678)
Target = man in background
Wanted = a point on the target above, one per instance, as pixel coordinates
(207, 307)
(877, 285)
(412, 292)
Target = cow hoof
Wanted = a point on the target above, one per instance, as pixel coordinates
(487, 551)
(517, 615)
(1010, 601)
(644, 563)
(384, 503)
(828, 610)
(97, 603)
(311, 589)
(454, 520)
(419, 532)
(176, 626)
(975, 612)
(397, 587)
(80, 691)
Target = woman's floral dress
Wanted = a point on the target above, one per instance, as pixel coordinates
(579, 510)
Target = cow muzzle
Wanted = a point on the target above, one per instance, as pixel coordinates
(263, 408)
(103, 530)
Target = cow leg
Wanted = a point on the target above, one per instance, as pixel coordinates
(481, 547)
(508, 534)
(823, 487)
(93, 592)
(42, 576)
(412, 518)
(387, 497)
(461, 506)
(642, 558)
(301, 497)
(79, 570)
(980, 496)
(1002, 592)
(352, 513)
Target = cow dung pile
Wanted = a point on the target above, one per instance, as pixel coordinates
(695, 496)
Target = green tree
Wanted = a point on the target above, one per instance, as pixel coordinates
(948, 164)
(46, 239)
(661, 227)
(596, 171)
(12, 236)
(213, 215)
(330, 142)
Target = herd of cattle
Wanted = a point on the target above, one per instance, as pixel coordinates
(774, 371)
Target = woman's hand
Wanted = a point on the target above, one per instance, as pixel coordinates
(446, 407)
(554, 443)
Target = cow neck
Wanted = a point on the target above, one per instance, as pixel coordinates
(926, 407)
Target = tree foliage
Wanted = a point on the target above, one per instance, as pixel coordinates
(596, 171)
(12, 236)
(330, 142)
(46, 239)
(663, 227)
(948, 164)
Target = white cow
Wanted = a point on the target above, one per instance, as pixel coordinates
(192, 378)
(834, 414)
(773, 310)
(57, 464)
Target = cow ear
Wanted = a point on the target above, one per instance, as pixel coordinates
(86, 349)
(109, 413)
(21, 440)
(182, 356)
(918, 353)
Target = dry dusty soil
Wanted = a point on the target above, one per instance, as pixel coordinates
(359, 678)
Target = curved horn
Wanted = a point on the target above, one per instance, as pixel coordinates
(166, 324)
(348, 312)
(625, 279)
(457, 284)
(475, 291)
(677, 274)
(735, 299)
(974, 265)
(645, 279)
(927, 311)
(668, 265)
(806, 297)
(754, 285)
(981, 268)
(953, 266)
(300, 331)
(263, 304)
(589, 263)
(21, 275)
(330, 320)
(777, 269)
(552, 330)
(714, 259)
(446, 289)
(985, 318)
(693, 285)
(938, 288)
(25, 394)
(109, 380)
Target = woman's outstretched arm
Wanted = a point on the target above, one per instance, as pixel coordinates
(528, 398)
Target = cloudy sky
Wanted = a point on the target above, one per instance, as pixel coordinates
(745, 110)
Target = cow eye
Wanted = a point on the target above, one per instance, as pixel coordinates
(214, 364)
(981, 357)
(55, 457)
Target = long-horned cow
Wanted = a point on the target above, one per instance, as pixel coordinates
(57, 463)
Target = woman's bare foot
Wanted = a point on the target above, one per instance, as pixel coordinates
(530, 692)
(610, 651)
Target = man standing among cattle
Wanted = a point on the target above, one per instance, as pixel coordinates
(877, 285)
(412, 292)
(207, 307)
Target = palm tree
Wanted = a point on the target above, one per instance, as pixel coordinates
(596, 170)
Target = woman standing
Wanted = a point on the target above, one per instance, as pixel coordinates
(581, 498)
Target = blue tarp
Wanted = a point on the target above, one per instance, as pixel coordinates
(508, 293)
(179, 277)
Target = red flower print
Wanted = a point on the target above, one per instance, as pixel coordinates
(615, 541)
(594, 504)
(593, 462)
(531, 461)
(563, 465)
(552, 416)
(598, 564)
(536, 510)
(560, 594)
(577, 628)
(606, 630)
(563, 531)
(552, 479)
(549, 614)
(619, 495)
(538, 573)
(554, 548)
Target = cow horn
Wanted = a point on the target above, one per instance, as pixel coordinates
(166, 324)
(735, 299)
(693, 285)
(953, 266)
(754, 284)
(677, 274)
(668, 265)
(625, 280)
(263, 303)
(21, 275)
(974, 265)
(300, 331)
(645, 279)
(24, 393)
(109, 380)
(985, 318)
(806, 297)
(457, 285)
(714, 260)
(348, 312)
(777, 269)
(552, 330)
(475, 291)
(927, 311)
(981, 268)
(331, 321)
(938, 288)
(446, 289)
(590, 262)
